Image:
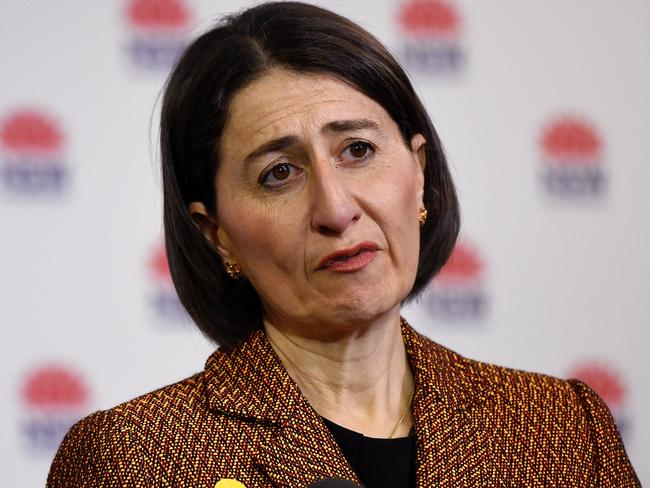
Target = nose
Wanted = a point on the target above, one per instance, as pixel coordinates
(334, 207)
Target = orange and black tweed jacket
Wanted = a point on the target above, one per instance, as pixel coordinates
(243, 418)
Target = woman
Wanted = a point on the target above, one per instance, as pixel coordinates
(306, 198)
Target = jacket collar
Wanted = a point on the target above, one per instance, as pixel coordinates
(250, 382)
(441, 375)
(453, 449)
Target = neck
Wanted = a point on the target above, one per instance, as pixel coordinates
(361, 379)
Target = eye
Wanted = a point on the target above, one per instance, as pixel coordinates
(278, 174)
(358, 150)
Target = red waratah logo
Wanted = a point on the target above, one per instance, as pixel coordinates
(457, 292)
(464, 266)
(29, 131)
(158, 15)
(431, 33)
(162, 296)
(570, 140)
(429, 18)
(158, 29)
(572, 154)
(54, 398)
(32, 144)
(54, 388)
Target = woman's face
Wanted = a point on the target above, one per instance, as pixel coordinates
(318, 200)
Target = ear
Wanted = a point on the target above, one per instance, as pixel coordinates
(418, 148)
(211, 231)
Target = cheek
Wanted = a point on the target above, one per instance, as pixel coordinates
(263, 238)
(396, 194)
(408, 225)
(397, 214)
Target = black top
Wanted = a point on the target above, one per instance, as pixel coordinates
(379, 463)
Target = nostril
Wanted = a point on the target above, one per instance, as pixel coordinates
(328, 231)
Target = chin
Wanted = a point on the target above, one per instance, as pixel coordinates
(361, 308)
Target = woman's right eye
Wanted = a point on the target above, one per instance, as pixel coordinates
(278, 175)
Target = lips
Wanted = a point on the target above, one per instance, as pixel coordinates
(350, 259)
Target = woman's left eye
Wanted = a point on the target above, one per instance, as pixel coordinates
(358, 150)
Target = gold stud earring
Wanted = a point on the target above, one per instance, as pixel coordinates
(233, 269)
(422, 216)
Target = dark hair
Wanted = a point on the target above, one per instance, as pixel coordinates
(240, 49)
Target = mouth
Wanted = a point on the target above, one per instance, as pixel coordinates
(351, 259)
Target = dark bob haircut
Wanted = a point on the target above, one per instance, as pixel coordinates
(239, 50)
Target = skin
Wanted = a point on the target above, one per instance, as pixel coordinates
(281, 212)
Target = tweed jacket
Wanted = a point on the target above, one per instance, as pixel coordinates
(243, 418)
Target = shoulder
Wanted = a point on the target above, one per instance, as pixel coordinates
(567, 404)
(206, 427)
(562, 424)
(519, 396)
(531, 419)
(121, 446)
(524, 389)
(184, 401)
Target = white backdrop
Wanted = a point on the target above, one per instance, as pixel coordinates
(543, 108)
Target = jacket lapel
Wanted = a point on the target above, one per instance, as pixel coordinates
(303, 452)
(251, 382)
(452, 448)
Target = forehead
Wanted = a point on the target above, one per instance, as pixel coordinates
(285, 102)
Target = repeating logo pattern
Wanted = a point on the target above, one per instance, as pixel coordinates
(54, 397)
(605, 380)
(572, 152)
(569, 153)
(457, 293)
(431, 36)
(158, 30)
(162, 298)
(33, 160)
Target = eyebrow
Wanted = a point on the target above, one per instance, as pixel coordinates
(336, 126)
(273, 145)
(348, 125)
